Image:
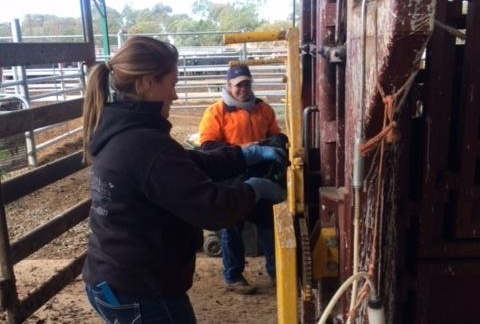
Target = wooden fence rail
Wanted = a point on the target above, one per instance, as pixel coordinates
(15, 188)
(13, 308)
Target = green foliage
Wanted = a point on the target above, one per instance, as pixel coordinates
(114, 20)
(184, 24)
(276, 25)
(200, 8)
(5, 29)
(209, 20)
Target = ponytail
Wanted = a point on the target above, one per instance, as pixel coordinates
(96, 95)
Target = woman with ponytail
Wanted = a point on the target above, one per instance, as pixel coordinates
(149, 195)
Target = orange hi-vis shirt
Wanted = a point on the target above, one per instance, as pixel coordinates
(238, 126)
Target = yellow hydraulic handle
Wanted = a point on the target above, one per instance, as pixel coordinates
(279, 60)
(253, 37)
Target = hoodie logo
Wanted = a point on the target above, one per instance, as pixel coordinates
(101, 195)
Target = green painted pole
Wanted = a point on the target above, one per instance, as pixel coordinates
(102, 9)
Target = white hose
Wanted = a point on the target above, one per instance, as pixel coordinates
(342, 289)
(356, 246)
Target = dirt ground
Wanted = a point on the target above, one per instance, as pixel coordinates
(211, 302)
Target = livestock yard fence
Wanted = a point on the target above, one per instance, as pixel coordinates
(201, 79)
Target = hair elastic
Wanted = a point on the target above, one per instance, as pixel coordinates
(107, 64)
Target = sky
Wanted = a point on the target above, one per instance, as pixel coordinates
(273, 10)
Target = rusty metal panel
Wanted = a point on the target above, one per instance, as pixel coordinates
(431, 256)
(443, 253)
(325, 91)
(468, 223)
(329, 90)
(307, 39)
(436, 120)
(450, 151)
(448, 293)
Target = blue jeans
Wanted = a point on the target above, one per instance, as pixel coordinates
(233, 251)
(135, 309)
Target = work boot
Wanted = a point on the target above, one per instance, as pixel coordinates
(241, 287)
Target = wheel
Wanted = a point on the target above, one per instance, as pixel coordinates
(211, 245)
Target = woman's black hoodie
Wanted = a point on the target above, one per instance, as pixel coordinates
(150, 196)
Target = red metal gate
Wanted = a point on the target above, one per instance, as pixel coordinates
(445, 173)
(436, 244)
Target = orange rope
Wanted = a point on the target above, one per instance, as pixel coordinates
(388, 131)
(388, 134)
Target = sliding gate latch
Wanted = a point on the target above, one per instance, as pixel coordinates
(333, 54)
(309, 49)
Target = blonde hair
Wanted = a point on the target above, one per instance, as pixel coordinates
(138, 57)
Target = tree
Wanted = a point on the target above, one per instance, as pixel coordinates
(204, 27)
(230, 16)
(5, 30)
(243, 18)
(193, 31)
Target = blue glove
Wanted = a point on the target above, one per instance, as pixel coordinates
(254, 154)
(266, 189)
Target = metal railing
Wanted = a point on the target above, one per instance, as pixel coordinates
(199, 85)
(198, 82)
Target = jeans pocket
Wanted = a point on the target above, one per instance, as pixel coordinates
(119, 314)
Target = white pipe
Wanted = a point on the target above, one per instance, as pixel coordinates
(352, 279)
(358, 172)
